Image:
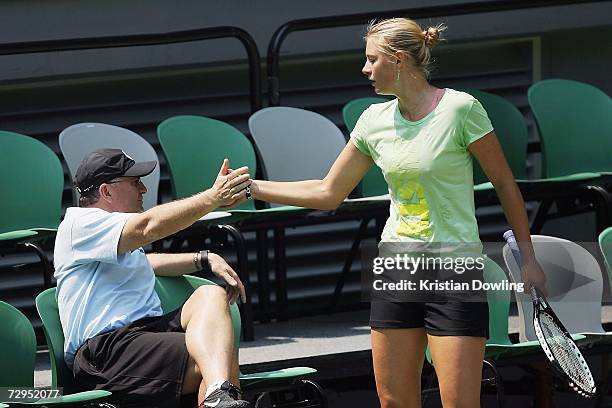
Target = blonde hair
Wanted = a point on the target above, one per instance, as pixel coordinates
(403, 34)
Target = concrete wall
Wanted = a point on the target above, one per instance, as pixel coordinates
(30, 20)
(583, 55)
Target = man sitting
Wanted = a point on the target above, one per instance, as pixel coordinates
(116, 336)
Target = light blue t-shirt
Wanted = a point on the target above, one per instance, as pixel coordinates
(98, 290)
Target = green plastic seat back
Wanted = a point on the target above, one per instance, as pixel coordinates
(511, 132)
(575, 125)
(373, 183)
(17, 348)
(174, 291)
(499, 304)
(61, 375)
(195, 147)
(32, 182)
(605, 243)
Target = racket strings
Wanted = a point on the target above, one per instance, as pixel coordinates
(566, 353)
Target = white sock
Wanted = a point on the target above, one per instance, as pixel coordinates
(213, 387)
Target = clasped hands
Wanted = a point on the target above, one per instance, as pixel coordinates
(230, 187)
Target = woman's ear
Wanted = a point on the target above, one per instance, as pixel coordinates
(401, 57)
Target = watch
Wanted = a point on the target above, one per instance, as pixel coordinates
(204, 263)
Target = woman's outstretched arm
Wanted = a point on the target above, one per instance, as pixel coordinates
(348, 169)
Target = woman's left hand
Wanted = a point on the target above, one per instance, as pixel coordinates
(234, 287)
(533, 275)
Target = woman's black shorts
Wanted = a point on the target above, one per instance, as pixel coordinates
(438, 318)
(144, 359)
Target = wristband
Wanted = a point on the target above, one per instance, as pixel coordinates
(203, 258)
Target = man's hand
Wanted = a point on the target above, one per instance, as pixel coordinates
(220, 268)
(533, 275)
(239, 200)
(229, 187)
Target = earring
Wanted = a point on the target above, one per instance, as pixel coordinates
(398, 74)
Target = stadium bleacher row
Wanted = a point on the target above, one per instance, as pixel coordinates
(294, 144)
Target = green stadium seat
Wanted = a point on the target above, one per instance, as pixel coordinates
(373, 183)
(33, 182)
(575, 123)
(18, 356)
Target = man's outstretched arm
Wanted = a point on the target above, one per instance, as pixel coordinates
(167, 219)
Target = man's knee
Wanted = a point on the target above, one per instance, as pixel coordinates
(210, 293)
(210, 298)
(206, 299)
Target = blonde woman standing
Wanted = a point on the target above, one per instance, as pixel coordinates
(424, 141)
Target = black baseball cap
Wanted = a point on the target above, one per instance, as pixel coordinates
(104, 165)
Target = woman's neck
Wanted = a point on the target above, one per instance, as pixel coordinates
(417, 99)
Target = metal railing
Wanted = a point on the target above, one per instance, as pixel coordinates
(283, 31)
(136, 40)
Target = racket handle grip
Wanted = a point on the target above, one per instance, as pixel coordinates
(511, 241)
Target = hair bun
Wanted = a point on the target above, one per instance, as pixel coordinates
(431, 36)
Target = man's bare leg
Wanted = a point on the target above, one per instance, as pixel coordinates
(209, 336)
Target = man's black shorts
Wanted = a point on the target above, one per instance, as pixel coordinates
(144, 359)
(438, 318)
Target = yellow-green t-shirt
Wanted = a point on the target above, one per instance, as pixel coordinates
(427, 167)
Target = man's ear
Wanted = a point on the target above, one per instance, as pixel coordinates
(104, 191)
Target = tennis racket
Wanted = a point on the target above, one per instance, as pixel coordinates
(558, 345)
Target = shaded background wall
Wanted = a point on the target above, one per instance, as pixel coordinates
(35, 20)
